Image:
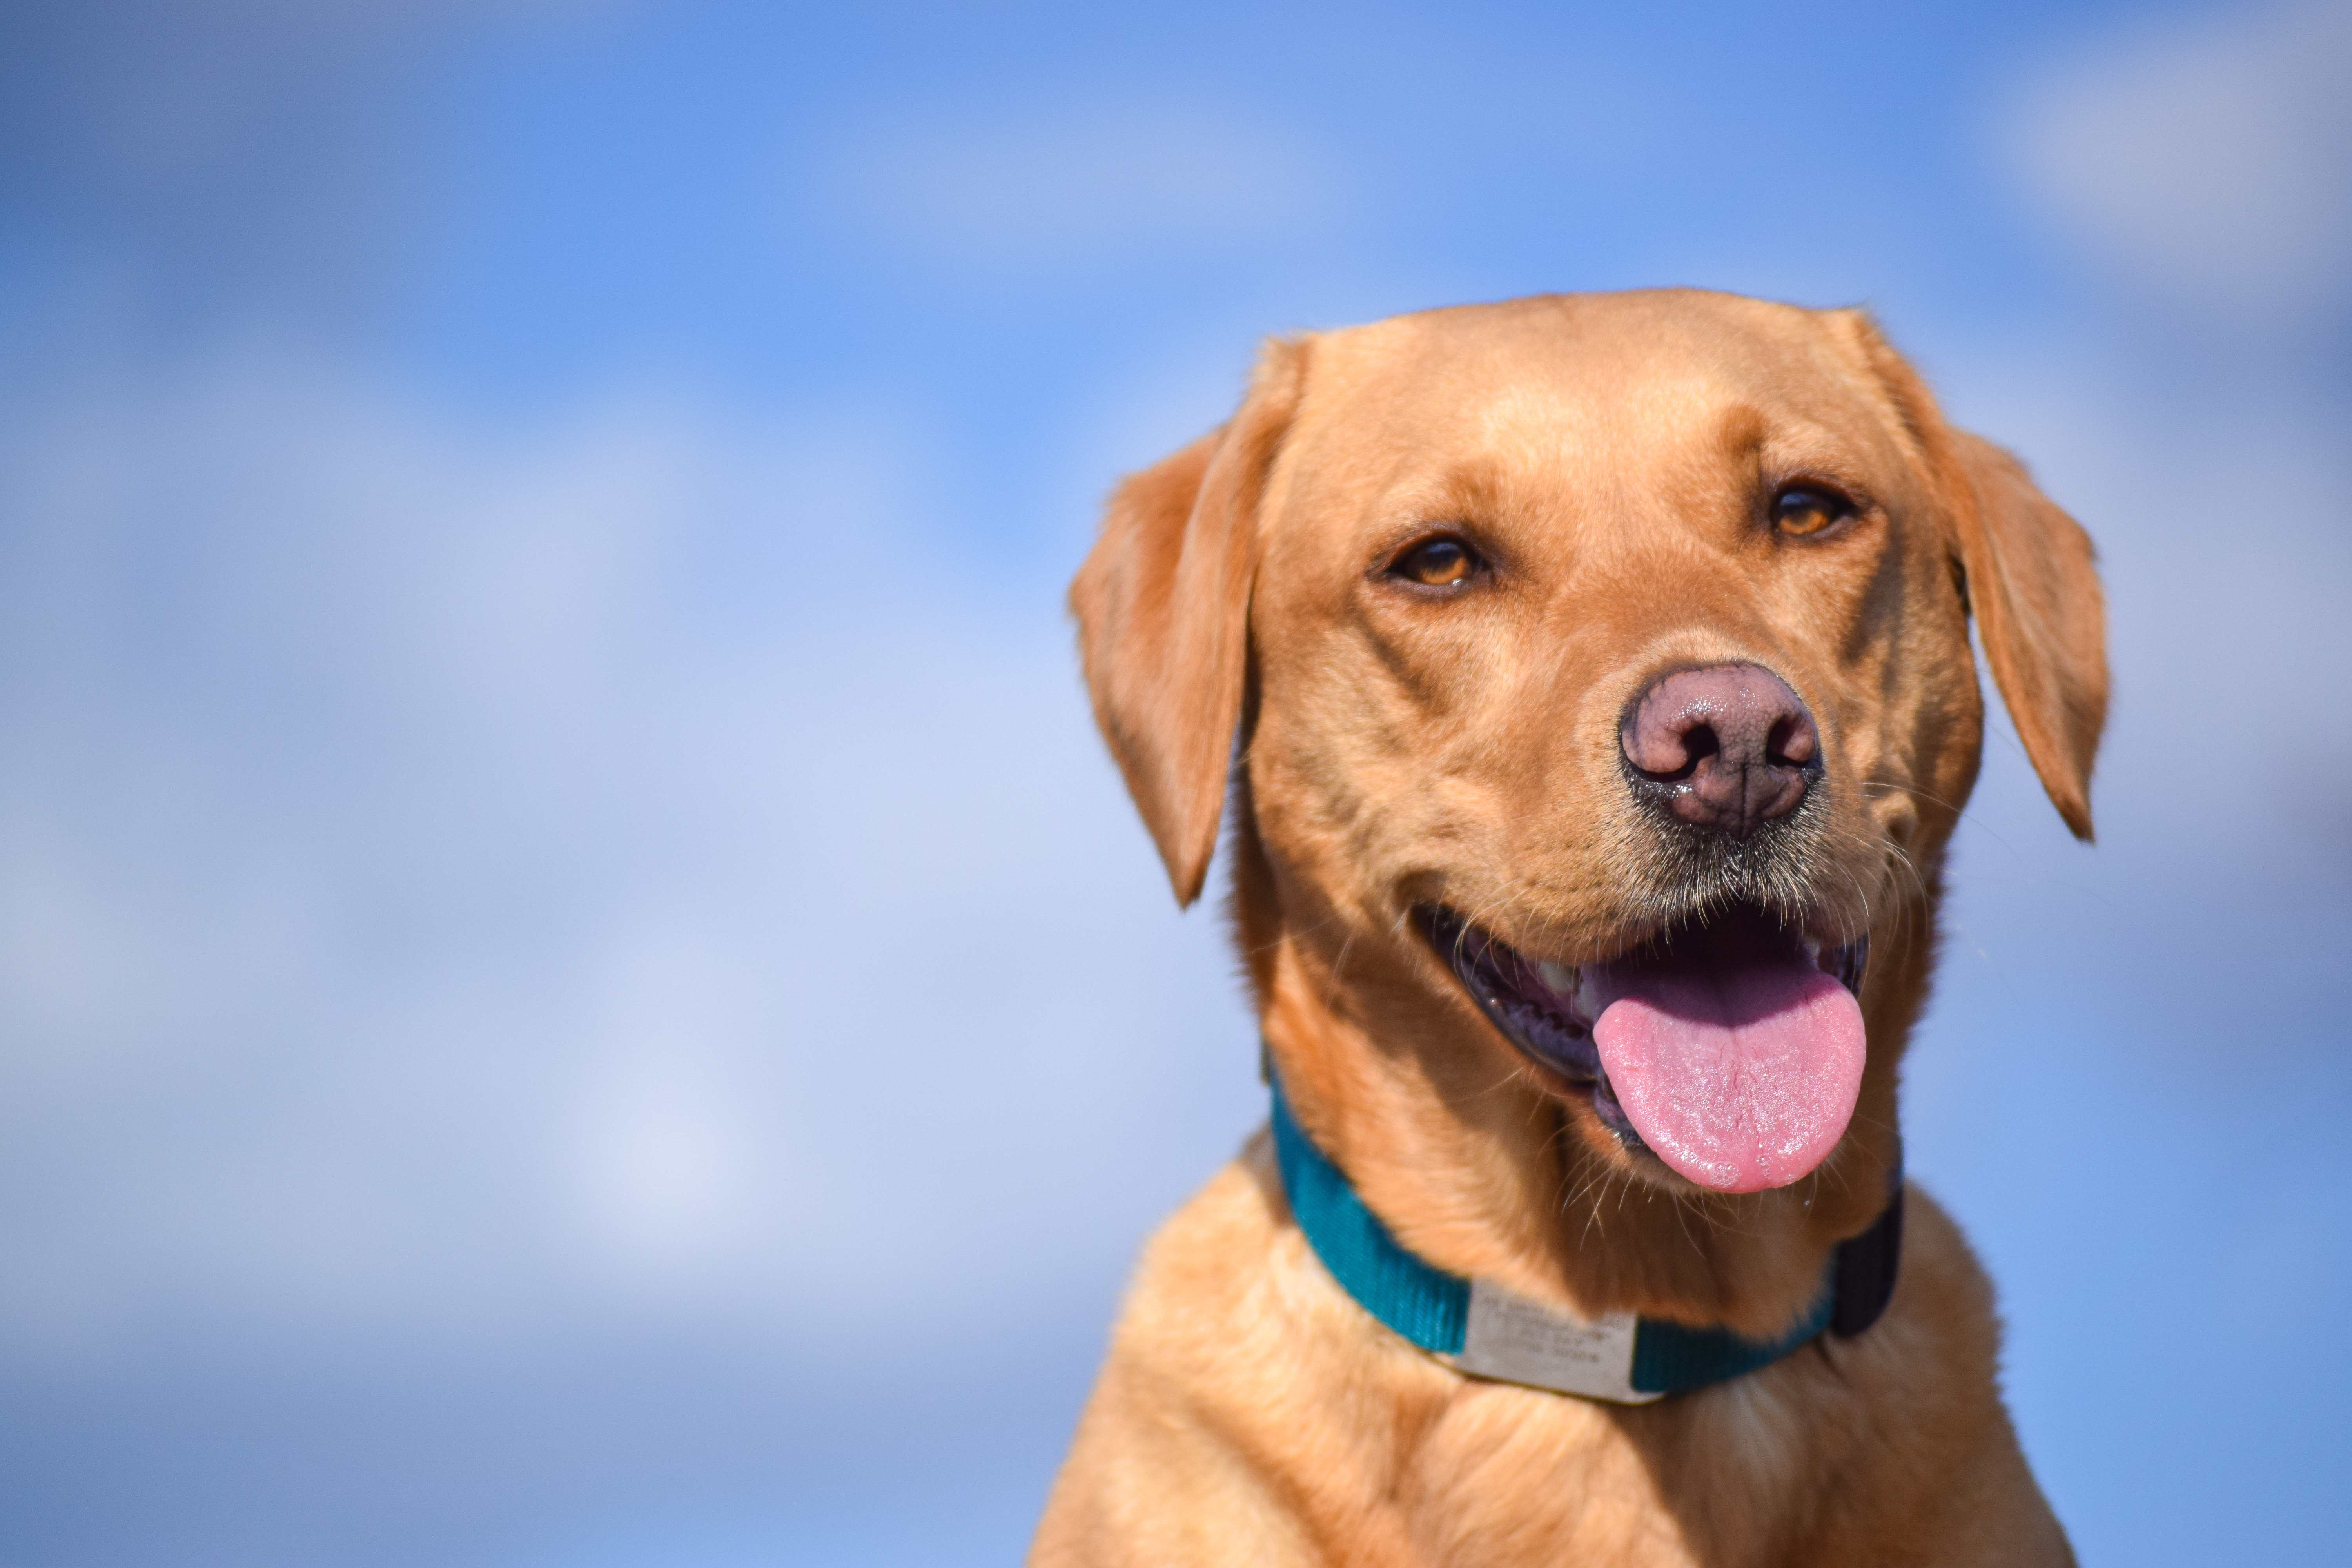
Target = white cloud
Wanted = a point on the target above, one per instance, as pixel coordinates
(468, 885)
(2208, 159)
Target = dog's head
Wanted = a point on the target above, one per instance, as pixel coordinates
(1602, 675)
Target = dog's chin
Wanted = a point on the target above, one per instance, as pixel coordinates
(1552, 1014)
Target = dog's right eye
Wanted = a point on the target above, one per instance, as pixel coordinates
(1440, 562)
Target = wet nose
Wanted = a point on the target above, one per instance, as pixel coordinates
(1729, 748)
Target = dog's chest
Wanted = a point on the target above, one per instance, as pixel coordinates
(1508, 1476)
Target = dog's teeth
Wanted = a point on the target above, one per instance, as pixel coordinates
(1559, 977)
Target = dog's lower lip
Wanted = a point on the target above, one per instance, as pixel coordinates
(1533, 1003)
(1543, 1007)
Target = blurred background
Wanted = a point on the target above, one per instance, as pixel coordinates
(575, 988)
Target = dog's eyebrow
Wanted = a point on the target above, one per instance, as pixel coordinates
(1468, 489)
(1751, 439)
(1474, 485)
(1770, 445)
(1741, 432)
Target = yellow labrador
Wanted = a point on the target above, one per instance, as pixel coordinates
(1601, 672)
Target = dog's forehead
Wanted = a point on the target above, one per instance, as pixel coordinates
(1600, 384)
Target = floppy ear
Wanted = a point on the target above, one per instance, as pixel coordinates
(2034, 584)
(2029, 576)
(1162, 604)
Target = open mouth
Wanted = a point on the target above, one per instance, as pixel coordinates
(1731, 1048)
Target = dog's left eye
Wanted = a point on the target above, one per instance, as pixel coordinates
(1802, 510)
(1438, 562)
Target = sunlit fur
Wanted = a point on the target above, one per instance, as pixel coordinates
(1613, 460)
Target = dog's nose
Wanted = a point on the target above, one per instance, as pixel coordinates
(1729, 748)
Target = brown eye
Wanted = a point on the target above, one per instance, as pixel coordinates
(1802, 510)
(1437, 562)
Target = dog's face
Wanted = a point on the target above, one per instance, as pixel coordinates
(1486, 544)
(1610, 693)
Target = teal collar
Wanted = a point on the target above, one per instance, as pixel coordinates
(1483, 1330)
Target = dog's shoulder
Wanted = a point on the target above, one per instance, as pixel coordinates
(1229, 1375)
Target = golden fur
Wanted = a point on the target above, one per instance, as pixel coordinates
(1613, 455)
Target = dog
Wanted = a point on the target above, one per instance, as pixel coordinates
(1589, 679)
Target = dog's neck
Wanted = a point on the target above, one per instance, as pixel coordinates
(1474, 1167)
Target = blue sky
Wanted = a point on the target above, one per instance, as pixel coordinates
(575, 989)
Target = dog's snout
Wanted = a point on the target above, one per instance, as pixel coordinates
(1729, 748)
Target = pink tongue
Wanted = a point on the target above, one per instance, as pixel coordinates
(1741, 1078)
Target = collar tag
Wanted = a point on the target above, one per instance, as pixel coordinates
(1514, 1340)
